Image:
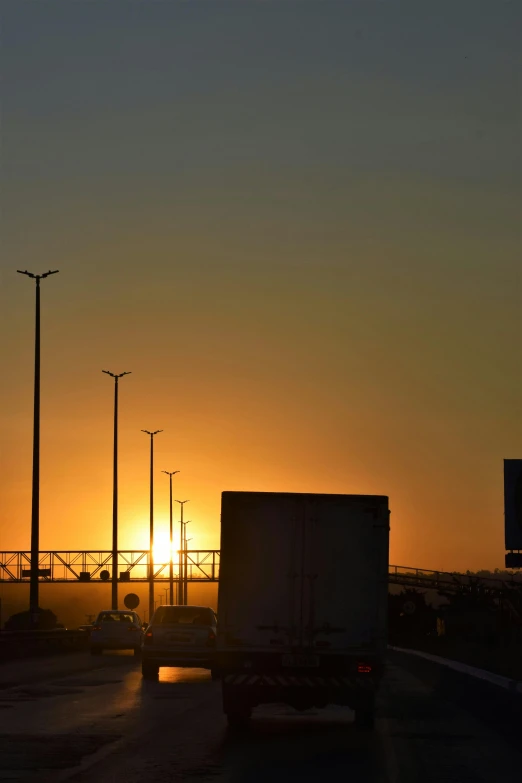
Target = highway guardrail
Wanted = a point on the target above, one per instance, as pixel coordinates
(31, 644)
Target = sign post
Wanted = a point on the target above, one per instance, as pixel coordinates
(131, 601)
(513, 512)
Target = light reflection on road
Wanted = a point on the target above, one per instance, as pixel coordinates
(167, 674)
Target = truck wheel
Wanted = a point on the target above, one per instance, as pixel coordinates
(364, 719)
(149, 671)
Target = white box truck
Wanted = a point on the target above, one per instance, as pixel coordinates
(302, 604)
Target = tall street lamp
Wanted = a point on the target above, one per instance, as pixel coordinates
(171, 564)
(35, 504)
(114, 599)
(181, 538)
(151, 553)
(185, 570)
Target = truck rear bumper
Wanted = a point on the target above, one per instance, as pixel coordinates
(252, 678)
(297, 681)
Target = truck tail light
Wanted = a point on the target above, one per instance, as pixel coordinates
(364, 668)
(148, 637)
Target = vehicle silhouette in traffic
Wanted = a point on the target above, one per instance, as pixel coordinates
(182, 636)
(116, 630)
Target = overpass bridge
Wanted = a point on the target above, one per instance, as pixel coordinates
(202, 566)
(95, 566)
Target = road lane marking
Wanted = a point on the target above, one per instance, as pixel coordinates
(514, 686)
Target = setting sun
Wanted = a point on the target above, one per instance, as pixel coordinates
(161, 549)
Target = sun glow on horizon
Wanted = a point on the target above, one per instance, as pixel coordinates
(161, 549)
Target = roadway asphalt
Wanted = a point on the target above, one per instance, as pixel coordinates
(94, 720)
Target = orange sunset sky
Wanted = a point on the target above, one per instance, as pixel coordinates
(298, 226)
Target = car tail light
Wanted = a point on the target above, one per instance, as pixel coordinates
(148, 637)
(364, 668)
(211, 639)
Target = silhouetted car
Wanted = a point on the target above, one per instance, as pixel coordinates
(179, 636)
(116, 630)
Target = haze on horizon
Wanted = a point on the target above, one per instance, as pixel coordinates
(298, 225)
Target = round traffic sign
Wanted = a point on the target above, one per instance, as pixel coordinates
(131, 601)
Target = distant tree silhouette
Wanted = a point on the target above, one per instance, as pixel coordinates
(473, 613)
(498, 573)
(476, 595)
(410, 616)
(47, 621)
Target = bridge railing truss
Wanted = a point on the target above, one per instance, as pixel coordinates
(203, 566)
(89, 566)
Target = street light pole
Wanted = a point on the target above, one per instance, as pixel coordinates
(181, 538)
(35, 503)
(114, 599)
(185, 570)
(171, 564)
(151, 553)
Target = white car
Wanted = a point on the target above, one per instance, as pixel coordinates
(179, 636)
(116, 630)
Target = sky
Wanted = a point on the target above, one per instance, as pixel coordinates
(297, 224)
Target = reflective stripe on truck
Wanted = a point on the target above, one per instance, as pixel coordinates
(293, 681)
